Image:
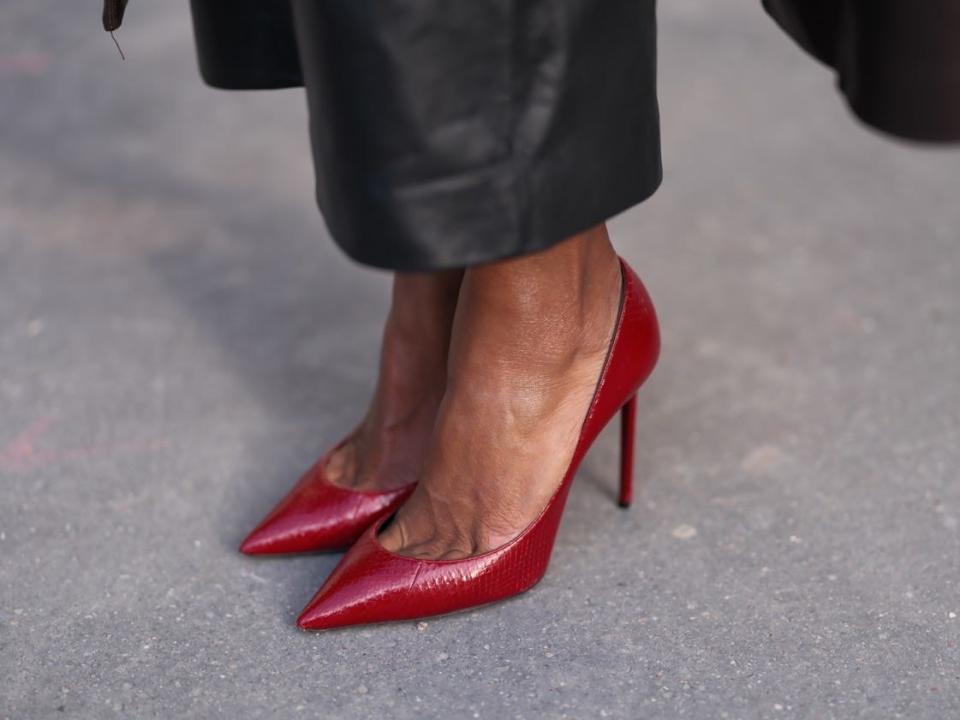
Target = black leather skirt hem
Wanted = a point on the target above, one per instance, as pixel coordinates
(501, 243)
(450, 134)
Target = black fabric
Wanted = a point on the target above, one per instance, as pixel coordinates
(447, 133)
(246, 44)
(113, 11)
(897, 62)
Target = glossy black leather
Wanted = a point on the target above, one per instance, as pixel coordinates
(897, 61)
(448, 133)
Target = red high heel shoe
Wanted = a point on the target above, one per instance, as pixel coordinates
(371, 584)
(319, 515)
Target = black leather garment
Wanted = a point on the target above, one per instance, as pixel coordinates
(897, 61)
(448, 133)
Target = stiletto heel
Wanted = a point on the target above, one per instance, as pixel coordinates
(372, 584)
(628, 417)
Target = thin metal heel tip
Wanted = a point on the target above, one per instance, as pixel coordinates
(622, 504)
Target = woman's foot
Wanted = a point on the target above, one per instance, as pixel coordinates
(386, 449)
(529, 342)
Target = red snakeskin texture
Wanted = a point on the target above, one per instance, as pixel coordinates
(318, 515)
(372, 585)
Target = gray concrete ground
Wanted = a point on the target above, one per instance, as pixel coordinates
(179, 339)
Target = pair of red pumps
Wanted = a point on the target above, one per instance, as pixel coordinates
(372, 585)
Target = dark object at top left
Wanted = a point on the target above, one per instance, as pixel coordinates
(113, 14)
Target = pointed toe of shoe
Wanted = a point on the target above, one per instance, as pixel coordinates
(291, 531)
(256, 544)
(279, 538)
(373, 585)
(318, 617)
(338, 607)
(317, 515)
(334, 606)
(341, 602)
(368, 585)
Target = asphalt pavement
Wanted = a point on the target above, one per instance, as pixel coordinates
(180, 338)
